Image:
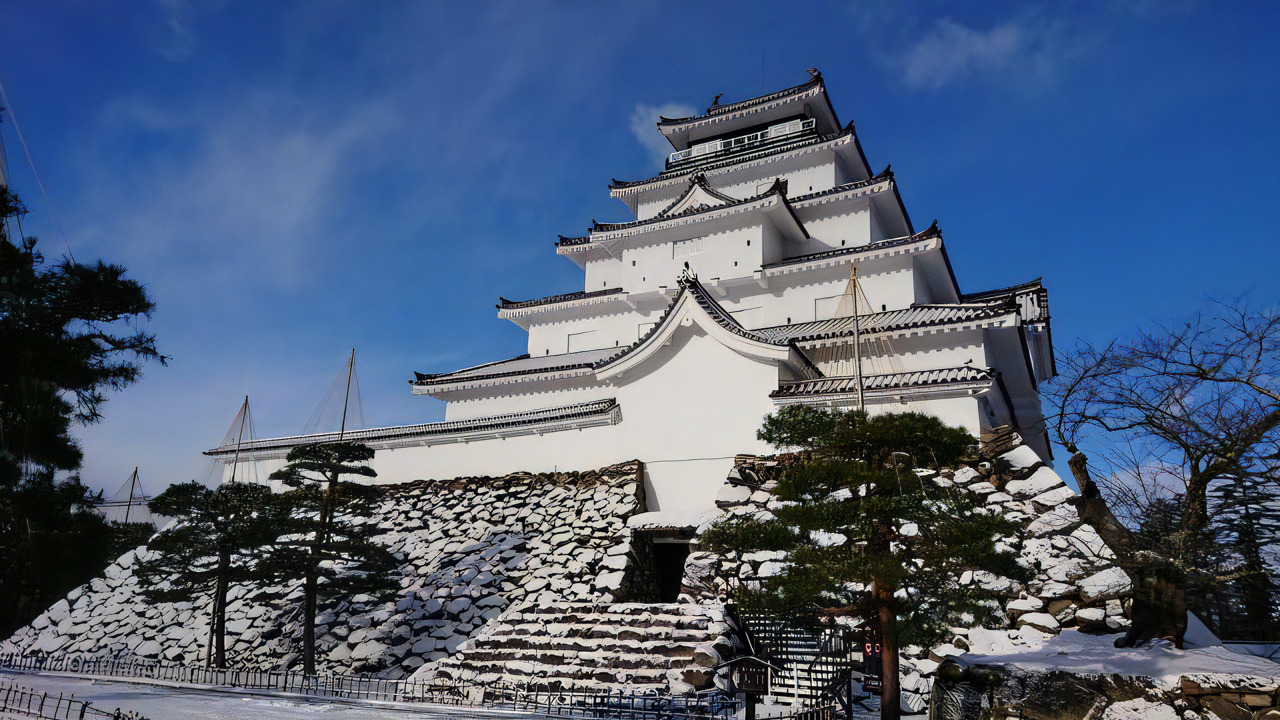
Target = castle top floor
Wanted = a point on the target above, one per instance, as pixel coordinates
(743, 146)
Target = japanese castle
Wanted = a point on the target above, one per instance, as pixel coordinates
(766, 265)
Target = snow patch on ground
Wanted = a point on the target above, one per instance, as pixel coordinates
(1077, 652)
(1140, 709)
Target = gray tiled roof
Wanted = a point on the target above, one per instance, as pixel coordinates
(522, 365)
(920, 378)
(907, 318)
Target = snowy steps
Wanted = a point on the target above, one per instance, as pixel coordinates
(563, 646)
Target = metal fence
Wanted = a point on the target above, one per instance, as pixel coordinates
(19, 701)
(530, 699)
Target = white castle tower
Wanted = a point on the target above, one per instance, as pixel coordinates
(766, 265)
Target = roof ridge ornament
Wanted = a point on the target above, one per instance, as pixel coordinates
(931, 231)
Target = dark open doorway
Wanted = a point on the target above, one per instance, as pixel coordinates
(668, 561)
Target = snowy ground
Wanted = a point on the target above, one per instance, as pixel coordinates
(167, 703)
(1074, 651)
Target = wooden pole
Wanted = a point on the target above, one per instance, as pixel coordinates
(244, 416)
(857, 336)
(129, 503)
(346, 398)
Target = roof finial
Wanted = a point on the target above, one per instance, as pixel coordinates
(814, 73)
(716, 100)
(687, 276)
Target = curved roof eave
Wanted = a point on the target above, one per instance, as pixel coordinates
(693, 303)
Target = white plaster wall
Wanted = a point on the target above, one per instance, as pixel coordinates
(697, 401)
(612, 329)
(686, 413)
(806, 297)
(882, 356)
(727, 253)
(519, 397)
(837, 225)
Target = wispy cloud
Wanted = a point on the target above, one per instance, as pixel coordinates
(173, 36)
(642, 122)
(258, 182)
(1021, 50)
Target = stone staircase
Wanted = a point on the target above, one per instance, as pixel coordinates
(631, 647)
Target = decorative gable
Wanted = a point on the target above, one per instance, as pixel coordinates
(697, 197)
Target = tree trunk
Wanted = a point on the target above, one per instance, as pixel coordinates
(882, 600)
(1159, 609)
(213, 627)
(220, 617)
(309, 623)
(1159, 601)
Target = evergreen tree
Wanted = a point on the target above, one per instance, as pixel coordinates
(322, 547)
(1248, 519)
(216, 541)
(869, 536)
(67, 335)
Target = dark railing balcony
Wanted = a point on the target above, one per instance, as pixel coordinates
(730, 144)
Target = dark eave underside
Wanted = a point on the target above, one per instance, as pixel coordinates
(505, 304)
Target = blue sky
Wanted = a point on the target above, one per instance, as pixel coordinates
(295, 179)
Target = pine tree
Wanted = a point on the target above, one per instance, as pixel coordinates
(216, 542)
(869, 536)
(68, 334)
(322, 547)
(1248, 519)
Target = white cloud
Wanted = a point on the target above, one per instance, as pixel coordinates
(1021, 50)
(258, 184)
(643, 121)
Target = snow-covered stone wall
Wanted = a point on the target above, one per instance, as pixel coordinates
(1075, 585)
(469, 548)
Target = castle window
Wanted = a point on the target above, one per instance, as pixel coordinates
(686, 248)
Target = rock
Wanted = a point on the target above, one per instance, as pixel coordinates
(1091, 617)
(1225, 709)
(1022, 457)
(148, 649)
(610, 580)
(1107, 584)
(1054, 497)
(1140, 709)
(1057, 520)
(1022, 605)
(732, 495)
(1039, 621)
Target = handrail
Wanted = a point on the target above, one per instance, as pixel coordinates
(715, 146)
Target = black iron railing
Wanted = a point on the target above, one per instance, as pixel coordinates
(20, 701)
(611, 705)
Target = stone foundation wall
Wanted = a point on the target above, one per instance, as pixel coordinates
(470, 548)
(1075, 584)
